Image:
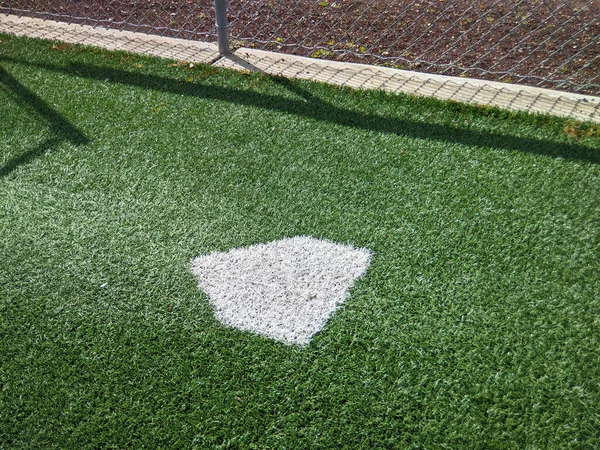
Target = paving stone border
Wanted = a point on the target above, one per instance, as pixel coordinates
(465, 90)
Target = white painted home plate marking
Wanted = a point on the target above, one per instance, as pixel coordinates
(285, 290)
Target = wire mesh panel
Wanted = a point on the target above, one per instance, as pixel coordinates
(188, 19)
(546, 43)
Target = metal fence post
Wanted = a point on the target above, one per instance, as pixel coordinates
(222, 26)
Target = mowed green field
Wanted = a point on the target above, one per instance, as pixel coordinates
(477, 324)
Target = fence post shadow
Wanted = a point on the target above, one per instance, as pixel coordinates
(421, 130)
(61, 129)
(311, 106)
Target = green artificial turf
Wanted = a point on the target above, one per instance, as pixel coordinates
(476, 326)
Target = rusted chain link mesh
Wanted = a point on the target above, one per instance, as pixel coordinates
(546, 43)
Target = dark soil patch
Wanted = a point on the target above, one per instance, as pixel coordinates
(550, 43)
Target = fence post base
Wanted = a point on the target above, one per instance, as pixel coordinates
(222, 26)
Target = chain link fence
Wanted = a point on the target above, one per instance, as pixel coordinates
(187, 19)
(544, 43)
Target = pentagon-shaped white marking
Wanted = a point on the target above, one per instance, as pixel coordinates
(285, 290)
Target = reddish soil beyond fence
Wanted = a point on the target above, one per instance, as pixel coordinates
(550, 43)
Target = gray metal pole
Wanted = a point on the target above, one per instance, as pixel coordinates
(222, 26)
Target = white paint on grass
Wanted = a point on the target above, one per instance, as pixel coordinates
(285, 290)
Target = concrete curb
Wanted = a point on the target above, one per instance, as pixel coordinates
(465, 90)
(140, 43)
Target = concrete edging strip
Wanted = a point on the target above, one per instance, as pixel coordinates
(465, 90)
(140, 43)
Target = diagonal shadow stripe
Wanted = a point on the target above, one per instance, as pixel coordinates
(317, 109)
(24, 158)
(60, 127)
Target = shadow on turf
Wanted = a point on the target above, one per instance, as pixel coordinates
(315, 108)
(61, 129)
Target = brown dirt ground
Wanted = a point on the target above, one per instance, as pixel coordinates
(546, 43)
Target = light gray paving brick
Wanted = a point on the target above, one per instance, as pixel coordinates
(360, 76)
